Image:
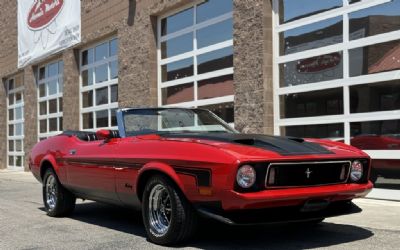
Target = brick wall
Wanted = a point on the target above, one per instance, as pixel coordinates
(134, 23)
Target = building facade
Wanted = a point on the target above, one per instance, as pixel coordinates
(326, 69)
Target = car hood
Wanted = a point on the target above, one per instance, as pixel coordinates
(259, 145)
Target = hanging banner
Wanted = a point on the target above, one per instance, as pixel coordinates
(46, 27)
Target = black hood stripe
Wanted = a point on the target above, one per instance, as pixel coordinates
(278, 144)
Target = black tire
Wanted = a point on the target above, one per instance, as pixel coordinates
(182, 216)
(312, 222)
(64, 202)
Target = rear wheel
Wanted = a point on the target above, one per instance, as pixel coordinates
(168, 217)
(57, 200)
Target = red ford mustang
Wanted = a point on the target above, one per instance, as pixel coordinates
(176, 164)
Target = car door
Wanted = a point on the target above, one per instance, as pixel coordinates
(126, 171)
(90, 170)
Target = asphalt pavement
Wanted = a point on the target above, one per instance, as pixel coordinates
(24, 225)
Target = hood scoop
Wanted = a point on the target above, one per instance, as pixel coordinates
(278, 144)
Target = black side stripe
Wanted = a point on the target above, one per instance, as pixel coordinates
(202, 176)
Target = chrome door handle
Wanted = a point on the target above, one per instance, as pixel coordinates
(72, 152)
(119, 169)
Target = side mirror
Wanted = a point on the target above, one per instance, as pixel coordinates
(103, 134)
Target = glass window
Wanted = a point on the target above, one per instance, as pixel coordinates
(10, 146)
(50, 93)
(53, 124)
(375, 20)
(18, 145)
(87, 56)
(216, 28)
(43, 108)
(177, 22)
(18, 113)
(15, 124)
(52, 87)
(102, 119)
(177, 45)
(11, 130)
(114, 93)
(314, 103)
(18, 161)
(101, 73)
(114, 118)
(328, 131)
(87, 99)
(87, 120)
(60, 104)
(60, 124)
(42, 73)
(214, 34)
(42, 90)
(213, 8)
(18, 97)
(43, 126)
(19, 129)
(101, 52)
(314, 69)
(11, 114)
(215, 87)
(87, 77)
(177, 94)
(10, 99)
(215, 60)
(223, 110)
(381, 96)
(53, 106)
(114, 47)
(315, 35)
(177, 70)
(52, 69)
(114, 70)
(376, 135)
(375, 58)
(290, 10)
(102, 96)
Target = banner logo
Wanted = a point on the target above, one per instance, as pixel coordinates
(43, 13)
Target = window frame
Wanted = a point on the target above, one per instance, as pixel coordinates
(111, 82)
(14, 137)
(345, 82)
(194, 53)
(48, 98)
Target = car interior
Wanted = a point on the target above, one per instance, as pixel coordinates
(89, 136)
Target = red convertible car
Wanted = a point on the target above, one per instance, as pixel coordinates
(176, 164)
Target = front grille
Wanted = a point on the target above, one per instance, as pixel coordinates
(303, 174)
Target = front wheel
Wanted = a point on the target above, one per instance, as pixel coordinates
(168, 217)
(57, 200)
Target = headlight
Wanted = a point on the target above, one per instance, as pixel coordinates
(356, 171)
(246, 176)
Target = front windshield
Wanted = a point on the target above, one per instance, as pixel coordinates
(174, 120)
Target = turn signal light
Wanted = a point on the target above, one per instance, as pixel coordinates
(271, 176)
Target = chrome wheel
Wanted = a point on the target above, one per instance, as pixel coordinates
(51, 192)
(159, 210)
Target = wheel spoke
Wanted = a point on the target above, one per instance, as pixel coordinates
(51, 192)
(159, 210)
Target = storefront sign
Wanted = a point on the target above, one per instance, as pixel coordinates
(319, 63)
(46, 27)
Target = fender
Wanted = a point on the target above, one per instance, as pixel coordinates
(50, 158)
(160, 167)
